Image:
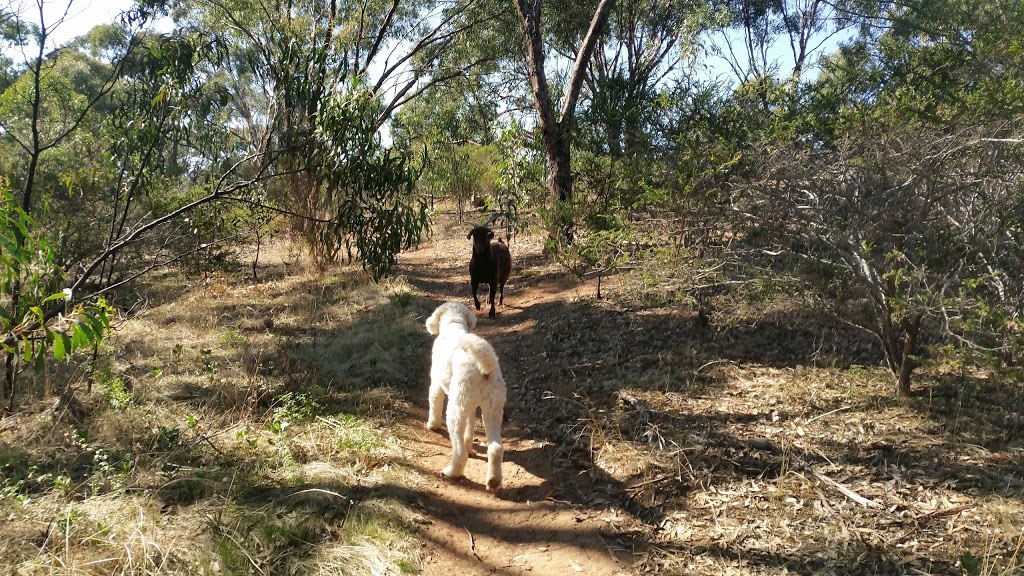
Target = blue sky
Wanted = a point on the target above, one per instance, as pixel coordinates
(82, 15)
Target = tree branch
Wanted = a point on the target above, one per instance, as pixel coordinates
(579, 70)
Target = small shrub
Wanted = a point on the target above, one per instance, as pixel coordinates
(297, 406)
(116, 392)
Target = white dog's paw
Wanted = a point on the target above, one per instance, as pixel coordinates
(450, 472)
(435, 426)
(493, 483)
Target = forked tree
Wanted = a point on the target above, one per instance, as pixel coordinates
(556, 125)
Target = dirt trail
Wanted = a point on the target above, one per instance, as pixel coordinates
(539, 522)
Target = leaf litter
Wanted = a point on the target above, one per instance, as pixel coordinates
(737, 449)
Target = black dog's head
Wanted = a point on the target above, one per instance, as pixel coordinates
(481, 236)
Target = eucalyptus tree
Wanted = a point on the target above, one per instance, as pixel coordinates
(314, 82)
(563, 60)
(453, 125)
(646, 45)
(11, 35)
(47, 99)
(556, 123)
(784, 37)
(649, 51)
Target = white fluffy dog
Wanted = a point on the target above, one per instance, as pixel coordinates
(465, 367)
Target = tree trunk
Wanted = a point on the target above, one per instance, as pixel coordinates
(910, 330)
(899, 341)
(10, 374)
(903, 378)
(559, 161)
(560, 165)
(9, 379)
(555, 129)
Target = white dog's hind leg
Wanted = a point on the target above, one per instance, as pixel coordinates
(456, 431)
(436, 407)
(495, 450)
(468, 432)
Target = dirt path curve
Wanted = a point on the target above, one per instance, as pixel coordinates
(540, 522)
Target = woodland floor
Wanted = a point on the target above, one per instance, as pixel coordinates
(638, 438)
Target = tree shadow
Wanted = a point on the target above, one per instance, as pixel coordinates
(580, 368)
(331, 502)
(985, 411)
(850, 556)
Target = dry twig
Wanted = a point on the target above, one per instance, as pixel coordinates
(472, 544)
(846, 491)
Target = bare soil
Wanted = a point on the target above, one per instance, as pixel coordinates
(537, 523)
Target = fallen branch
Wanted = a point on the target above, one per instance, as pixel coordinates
(639, 485)
(824, 502)
(472, 544)
(945, 511)
(846, 491)
(318, 491)
(829, 413)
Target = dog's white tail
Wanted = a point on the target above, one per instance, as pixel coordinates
(481, 351)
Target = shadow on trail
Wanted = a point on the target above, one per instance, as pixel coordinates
(317, 512)
(571, 367)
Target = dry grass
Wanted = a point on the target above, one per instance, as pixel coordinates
(221, 439)
(245, 428)
(741, 448)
